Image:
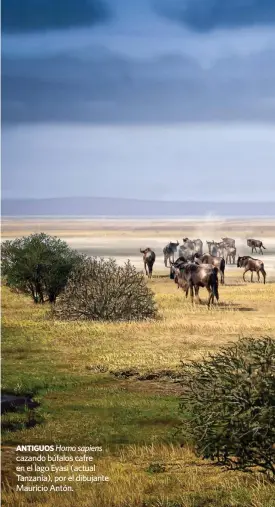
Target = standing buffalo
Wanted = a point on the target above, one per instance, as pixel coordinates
(250, 264)
(230, 254)
(191, 276)
(217, 262)
(169, 252)
(149, 258)
(229, 242)
(196, 244)
(254, 244)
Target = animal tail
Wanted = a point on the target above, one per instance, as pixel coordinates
(222, 265)
(263, 247)
(263, 273)
(214, 283)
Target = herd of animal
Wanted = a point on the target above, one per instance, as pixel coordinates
(194, 269)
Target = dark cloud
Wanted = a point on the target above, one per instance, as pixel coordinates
(113, 89)
(23, 16)
(206, 15)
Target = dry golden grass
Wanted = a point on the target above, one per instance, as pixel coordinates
(182, 332)
(57, 360)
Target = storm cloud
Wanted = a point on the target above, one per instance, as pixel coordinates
(94, 101)
(109, 88)
(26, 16)
(206, 15)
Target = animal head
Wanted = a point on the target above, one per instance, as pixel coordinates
(240, 262)
(145, 251)
(174, 272)
(173, 246)
(196, 255)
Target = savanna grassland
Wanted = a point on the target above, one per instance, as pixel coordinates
(115, 385)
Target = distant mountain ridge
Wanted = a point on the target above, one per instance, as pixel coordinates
(117, 207)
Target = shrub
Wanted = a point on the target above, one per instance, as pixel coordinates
(228, 405)
(99, 289)
(38, 265)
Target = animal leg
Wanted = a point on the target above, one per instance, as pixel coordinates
(192, 294)
(210, 297)
(251, 276)
(245, 271)
(197, 294)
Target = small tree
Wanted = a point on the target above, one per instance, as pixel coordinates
(99, 289)
(38, 265)
(228, 405)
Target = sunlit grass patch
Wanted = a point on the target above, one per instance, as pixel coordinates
(70, 367)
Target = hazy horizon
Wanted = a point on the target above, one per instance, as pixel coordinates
(152, 100)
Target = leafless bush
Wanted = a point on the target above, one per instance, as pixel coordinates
(99, 289)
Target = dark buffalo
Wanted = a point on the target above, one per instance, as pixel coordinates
(169, 252)
(217, 262)
(196, 244)
(191, 276)
(230, 254)
(250, 264)
(229, 242)
(254, 244)
(149, 258)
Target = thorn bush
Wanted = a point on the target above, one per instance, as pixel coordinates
(228, 405)
(99, 289)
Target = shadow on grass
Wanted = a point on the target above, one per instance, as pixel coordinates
(228, 306)
(18, 413)
(236, 308)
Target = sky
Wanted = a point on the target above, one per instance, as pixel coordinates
(147, 99)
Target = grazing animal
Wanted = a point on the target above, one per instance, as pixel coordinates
(250, 264)
(254, 244)
(191, 276)
(149, 258)
(169, 252)
(217, 262)
(230, 255)
(229, 242)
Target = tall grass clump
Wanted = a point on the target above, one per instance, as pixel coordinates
(99, 289)
(228, 405)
